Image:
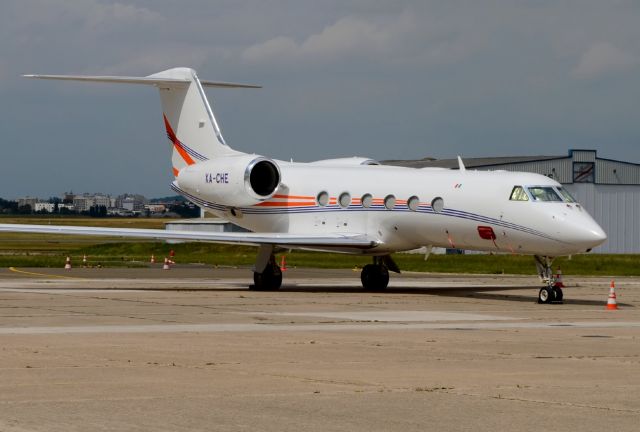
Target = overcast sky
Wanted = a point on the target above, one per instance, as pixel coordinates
(382, 79)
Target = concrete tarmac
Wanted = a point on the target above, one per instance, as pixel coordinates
(192, 349)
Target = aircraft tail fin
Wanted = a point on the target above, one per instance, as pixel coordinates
(188, 118)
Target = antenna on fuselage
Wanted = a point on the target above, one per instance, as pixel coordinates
(461, 166)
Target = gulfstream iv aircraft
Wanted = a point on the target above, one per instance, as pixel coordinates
(348, 205)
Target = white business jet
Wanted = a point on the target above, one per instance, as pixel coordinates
(349, 205)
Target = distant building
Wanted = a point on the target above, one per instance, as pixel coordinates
(102, 200)
(27, 201)
(133, 203)
(83, 202)
(155, 208)
(46, 206)
(51, 207)
(67, 197)
(608, 189)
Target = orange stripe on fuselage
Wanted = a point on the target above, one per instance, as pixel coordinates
(294, 197)
(286, 204)
(175, 172)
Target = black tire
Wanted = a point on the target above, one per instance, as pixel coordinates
(270, 279)
(558, 294)
(546, 295)
(374, 277)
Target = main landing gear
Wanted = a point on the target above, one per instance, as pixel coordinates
(267, 275)
(375, 277)
(269, 279)
(552, 291)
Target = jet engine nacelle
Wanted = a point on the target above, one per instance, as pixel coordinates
(232, 181)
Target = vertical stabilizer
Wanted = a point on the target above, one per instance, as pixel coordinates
(188, 119)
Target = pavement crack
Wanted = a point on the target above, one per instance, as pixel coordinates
(546, 402)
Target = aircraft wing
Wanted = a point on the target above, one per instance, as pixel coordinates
(357, 241)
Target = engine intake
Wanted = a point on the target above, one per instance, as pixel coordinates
(231, 181)
(263, 177)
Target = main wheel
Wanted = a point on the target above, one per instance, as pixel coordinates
(269, 279)
(546, 295)
(558, 294)
(374, 277)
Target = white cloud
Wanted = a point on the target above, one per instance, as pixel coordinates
(602, 58)
(275, 48)
(158, 59)
(348, 36)
(106, 16)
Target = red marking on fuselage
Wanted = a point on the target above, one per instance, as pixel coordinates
(176, 142)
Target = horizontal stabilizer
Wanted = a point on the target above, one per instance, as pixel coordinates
(358, 241)
(148, 80)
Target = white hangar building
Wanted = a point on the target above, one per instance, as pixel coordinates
(608, 189)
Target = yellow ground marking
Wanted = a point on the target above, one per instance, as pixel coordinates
(13, 269)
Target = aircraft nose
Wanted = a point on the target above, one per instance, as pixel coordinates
(592, 234)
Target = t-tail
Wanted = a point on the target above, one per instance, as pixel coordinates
(188, 118)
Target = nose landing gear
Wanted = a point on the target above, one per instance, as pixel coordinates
(552, 292)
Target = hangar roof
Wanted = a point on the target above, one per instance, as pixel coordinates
(468, 162)
(579, 166)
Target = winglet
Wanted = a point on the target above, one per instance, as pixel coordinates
(461, 166)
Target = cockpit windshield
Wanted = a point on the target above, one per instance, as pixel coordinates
(518, 194)
(544, 193)
(566, 195)
(541, 194)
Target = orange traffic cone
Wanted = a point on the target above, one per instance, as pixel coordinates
(612, 304)
(165, 266)
(283, 264)
(67, 264)
(153, 259)
(559, 283)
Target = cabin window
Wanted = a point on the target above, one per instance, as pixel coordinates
(518, 194)
(544, 193)
(566, 195)
(437, 204)
(390, 202)
(344, 199)
(413, 203)
(323, 198)
(366, 200)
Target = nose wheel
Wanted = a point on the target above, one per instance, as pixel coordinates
(550, 294)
